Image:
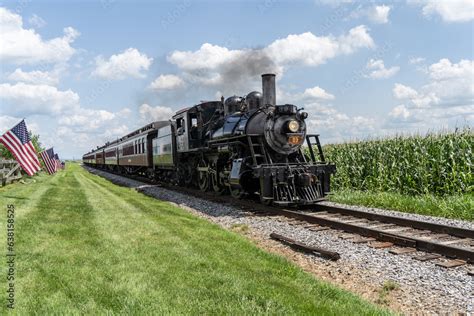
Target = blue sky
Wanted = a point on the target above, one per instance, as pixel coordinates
(82, 73)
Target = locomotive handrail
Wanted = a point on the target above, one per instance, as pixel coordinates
(310, 146)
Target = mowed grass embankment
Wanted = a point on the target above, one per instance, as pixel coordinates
(87, 246)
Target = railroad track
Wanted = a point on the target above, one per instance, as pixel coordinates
(383, 231)
(400, 235)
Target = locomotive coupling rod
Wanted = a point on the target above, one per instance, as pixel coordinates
(331, 255)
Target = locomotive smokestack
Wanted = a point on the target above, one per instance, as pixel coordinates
(268, 89)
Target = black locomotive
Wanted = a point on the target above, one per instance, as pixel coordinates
(242, 146)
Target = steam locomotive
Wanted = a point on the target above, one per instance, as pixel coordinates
(241, 146)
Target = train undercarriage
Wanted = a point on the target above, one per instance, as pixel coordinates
(241, 167)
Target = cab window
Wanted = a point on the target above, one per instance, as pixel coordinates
(180, 126)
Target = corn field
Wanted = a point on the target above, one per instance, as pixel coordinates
(437, 163)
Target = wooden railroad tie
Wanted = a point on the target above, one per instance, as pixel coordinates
(380, 244)
(305, 248)
(427, 257)
(451, 263)
(401, 251)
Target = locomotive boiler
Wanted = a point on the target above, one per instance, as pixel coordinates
(243, 146)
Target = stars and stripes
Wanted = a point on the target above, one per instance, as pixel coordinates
(58, 162)
(49, 161)
(18, 142)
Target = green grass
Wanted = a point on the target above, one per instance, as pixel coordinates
(456, 206)
(385, 291)
(86, 246)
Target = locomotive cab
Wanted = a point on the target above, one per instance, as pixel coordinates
(193, 124)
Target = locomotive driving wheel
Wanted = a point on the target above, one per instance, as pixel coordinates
(203, 176)
(216, 181)
(185, 174)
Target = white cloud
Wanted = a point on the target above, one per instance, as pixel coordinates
(400, 112)
(231, 71)
(317, 93)
(335, 125)
(333, 3)
(129, 63)
(379, 14)
(207, 56)
(305, 48)
(36, 21)
(416, 60)
(325, 118)
(426, 99)
(7, 122)
(401, 91)
(378, 70)
(451, 85)
(166, 82)
(87, 128)
(64, 123)
(412, 119)
(312, 50)
(158, 113)
(87, 119)
(449, 11)
(27, 99)
(34, 77)
(25, 46)
(444, 70)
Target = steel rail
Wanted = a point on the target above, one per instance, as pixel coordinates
(437, 228)
(418, 243)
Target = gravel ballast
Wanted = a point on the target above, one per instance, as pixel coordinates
(420, 287)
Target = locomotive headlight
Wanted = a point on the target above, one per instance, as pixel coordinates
(293, 126)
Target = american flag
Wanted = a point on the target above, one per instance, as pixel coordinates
(18, 142)
(58, 162)
(49, 161)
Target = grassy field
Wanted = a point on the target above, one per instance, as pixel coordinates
(86, 246)
(430, 174)
(456, 206)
